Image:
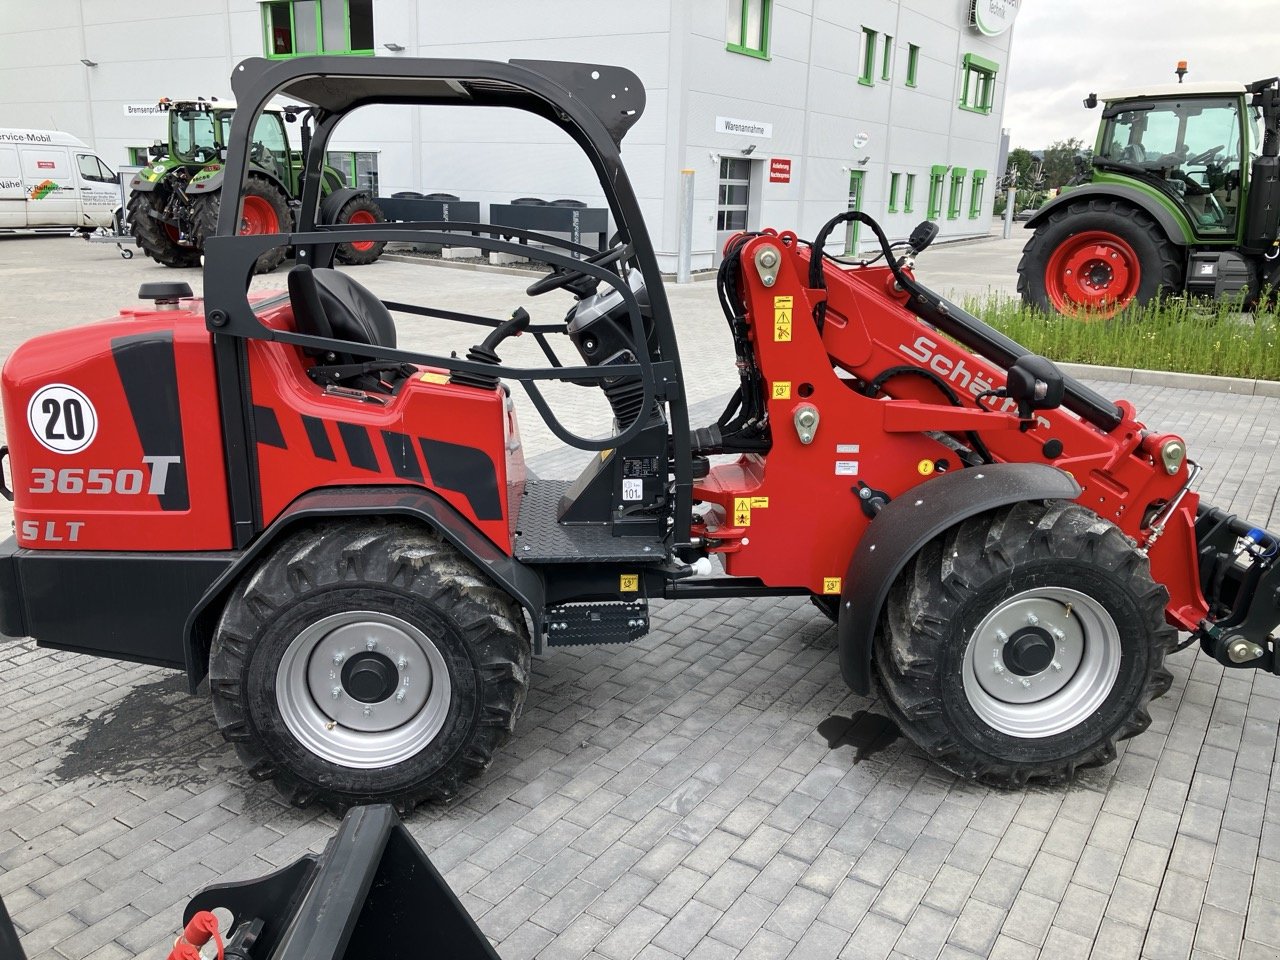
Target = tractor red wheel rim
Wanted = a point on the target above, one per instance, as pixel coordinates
(1095, 271)
(258, 216)
(362, 216)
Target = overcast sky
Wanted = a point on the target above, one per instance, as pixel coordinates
(1065, 49)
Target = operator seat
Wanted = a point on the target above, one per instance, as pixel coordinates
(327, 303)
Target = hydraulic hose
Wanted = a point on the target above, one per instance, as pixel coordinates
(963, 326)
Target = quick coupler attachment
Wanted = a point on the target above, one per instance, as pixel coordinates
(1240, 579)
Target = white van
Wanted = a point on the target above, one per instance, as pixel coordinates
(51, 179)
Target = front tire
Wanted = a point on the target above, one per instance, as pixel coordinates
(360, 209)
(1024, 643)
(1094, 257)
(368, 662)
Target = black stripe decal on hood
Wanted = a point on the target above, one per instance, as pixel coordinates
(148, 371)
(403, 460)
(468, 470)
(359, 450)
(319, 438)
(267, 427)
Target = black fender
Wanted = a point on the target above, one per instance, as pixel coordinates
(1177, 231)
(902, 528)
(524, 585)
(213, 183)
(331, 205)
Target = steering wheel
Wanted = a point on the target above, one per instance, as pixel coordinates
(560, 277)
(1206, 156)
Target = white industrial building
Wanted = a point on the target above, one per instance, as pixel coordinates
(787, 111)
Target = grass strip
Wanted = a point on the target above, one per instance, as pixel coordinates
(1181, 335)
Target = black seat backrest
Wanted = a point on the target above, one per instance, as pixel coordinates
(327, 303)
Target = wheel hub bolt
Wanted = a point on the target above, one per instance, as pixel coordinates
(368, 711)
(402, 663)
(1056, 665)
(1001, 636)
(1032, 619)
(371, 644)
(337, 692)
(1058, 634)
(1026, 682)
(337, 657)
(998, 667)
(400, 696)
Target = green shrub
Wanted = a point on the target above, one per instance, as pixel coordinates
(1182, 334)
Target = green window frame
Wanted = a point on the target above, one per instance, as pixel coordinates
(978, 92)
(975, 194)
(139, 156)
(909, 195)
(894, 179)
(955, 198)
(886, 60)
(936, 175)
(296, 28)
(868, 76)
(749, 34)
(913, 63)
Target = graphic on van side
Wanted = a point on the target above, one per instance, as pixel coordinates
(43, 189)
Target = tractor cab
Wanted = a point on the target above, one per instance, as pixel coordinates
(1182, 196)
(1189, 142)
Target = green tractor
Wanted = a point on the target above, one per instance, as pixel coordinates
(1182, 195)
(174, 202)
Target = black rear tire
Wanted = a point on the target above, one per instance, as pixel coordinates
(365, 211)
(154, 236)
(268, 195)
(1158, 260)
(989, 713)
(390, 580)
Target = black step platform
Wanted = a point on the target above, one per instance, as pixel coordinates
(580, 624)
(540, 538)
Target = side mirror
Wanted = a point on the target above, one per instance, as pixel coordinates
(1034, 383)
(923, 235)
(1091, 101)
(155, 151)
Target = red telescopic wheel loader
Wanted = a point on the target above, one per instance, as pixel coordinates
(342, 536)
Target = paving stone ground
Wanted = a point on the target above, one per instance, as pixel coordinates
(677, 797)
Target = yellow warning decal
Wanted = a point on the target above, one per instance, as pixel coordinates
(781, 389)
(759, 503)
(924, 468)
(628, 582)
(604, 455)
(435, 378)
(742, 511)
(830, 584)
(782, 319)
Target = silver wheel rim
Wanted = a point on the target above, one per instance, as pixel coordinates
(322, 706)
(1044, 702)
